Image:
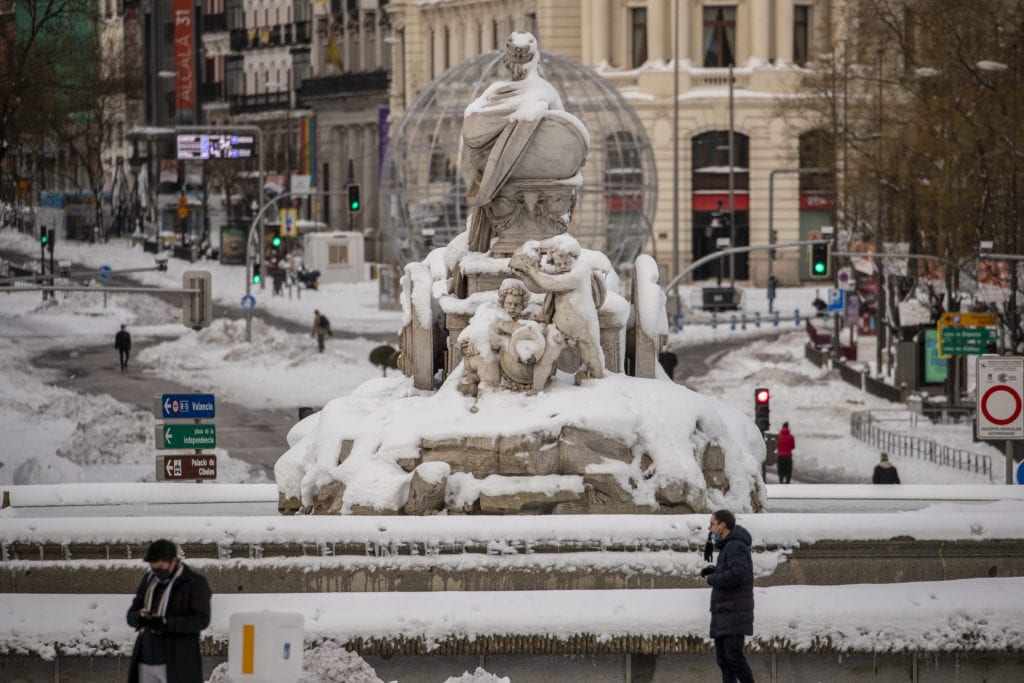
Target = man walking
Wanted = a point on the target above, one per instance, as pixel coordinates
(668, 362)
(170, 609)
(123, 344)
(321, 328)
(885, 472)
(784, 449)
(732, 596)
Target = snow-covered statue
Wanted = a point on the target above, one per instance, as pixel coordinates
(484, 420)
(525, 153)
(573, 297)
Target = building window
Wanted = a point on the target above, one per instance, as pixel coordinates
(337, 255)
(431, 54)
(638, 38)
(494, 35)
(801, 34)
(719, 36)
(447, 48)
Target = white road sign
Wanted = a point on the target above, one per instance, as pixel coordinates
(1000, 387)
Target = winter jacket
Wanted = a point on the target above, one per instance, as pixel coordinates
(732, 587)
(123, 341)
(786, 443)
(885, 473)
(188, 613)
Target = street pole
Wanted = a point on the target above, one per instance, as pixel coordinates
(732, 188)
(772, 236)
(675, 144)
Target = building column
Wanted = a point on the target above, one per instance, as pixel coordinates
(600, 15)
(470, 34)
(760, 29)
(439, 54)
(784, 33)
(586, 44)
(656, 30)
(682, 24)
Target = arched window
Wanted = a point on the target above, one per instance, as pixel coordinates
(710, 199)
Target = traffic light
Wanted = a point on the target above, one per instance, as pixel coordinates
(276, 242)
(762, 408)
(820, 261)
(354, 203)
(256, 277)
(44, 237)
(51, 237)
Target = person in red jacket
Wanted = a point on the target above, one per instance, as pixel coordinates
(784, 448)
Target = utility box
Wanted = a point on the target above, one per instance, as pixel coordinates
(338, 255)
(265, 647)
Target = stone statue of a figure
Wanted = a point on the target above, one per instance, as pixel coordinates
(574, 293)
(525, 152)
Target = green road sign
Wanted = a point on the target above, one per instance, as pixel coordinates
(186, 436)
(965, 349)
(957, 334)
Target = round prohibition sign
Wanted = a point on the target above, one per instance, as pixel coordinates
(1016, 405)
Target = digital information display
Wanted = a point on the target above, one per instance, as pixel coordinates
(200, 146)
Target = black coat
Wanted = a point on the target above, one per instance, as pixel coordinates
(885, 475)
(123, 341)
(732, 587)
(188, 613)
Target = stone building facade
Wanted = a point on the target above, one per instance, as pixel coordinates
(631, 43)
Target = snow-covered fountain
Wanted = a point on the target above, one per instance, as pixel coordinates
(531, 383)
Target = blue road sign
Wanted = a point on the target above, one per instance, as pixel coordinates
(106, 273)
(248, 302)
(1020, 473)
(836, 300)
(187, 406)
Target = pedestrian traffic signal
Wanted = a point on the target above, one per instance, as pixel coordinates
(354, 204)
(762, 408)
(51, 237)
(256, 277)
(820, 261)
(44, 237)
(276, 242)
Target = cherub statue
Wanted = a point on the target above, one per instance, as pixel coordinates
(574, 295)
(497, 339)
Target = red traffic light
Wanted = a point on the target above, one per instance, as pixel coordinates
(762, 395)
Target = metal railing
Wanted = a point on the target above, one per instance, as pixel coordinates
(868, 428)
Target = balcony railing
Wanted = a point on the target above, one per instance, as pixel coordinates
(241, 104)
(326, 86)
(215, 22)
(270, 36)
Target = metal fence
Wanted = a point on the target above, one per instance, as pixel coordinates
(868, 428)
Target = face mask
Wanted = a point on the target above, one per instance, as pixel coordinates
(162, 574)
(715, 538)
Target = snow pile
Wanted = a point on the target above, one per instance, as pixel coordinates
(218, 359)
(387, 419)
(327, 662)
(650, 305)
(481, 675)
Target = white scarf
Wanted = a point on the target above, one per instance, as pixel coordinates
(161, 610)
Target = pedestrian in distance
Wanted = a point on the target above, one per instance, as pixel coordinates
(732, 595)
(170, 609)
(885, 472)
(321, 329)
(668, 362)
(123, 344)
(784, 450)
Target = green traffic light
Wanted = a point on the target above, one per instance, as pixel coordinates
(255, 279)
(276, 241)
(354, 206)
(43, 239)
(819, 268)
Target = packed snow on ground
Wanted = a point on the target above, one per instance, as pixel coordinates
(938, 616)
(350, 307)
(327, 662)
(285, 365)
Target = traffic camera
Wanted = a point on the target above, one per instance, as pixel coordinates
(354, 203)
(820, 253)
(762, 408)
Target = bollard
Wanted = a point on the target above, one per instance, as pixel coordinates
(679, 322)
(714, 320)
(743, 321)
(757, 319)
(732, 322)
(796, 317)
(775, 319)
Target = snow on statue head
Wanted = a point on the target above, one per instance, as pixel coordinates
(495, 314)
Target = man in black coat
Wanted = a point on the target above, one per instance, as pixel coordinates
(885, 472)
(171, 607)
(123, 344)
(732, 595)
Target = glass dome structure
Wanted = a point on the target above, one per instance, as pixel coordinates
(423, 178)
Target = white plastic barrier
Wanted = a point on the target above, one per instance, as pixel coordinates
(265, 647)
